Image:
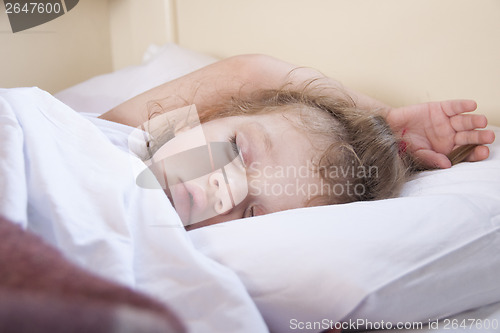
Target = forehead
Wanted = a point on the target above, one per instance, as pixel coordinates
(285, 176)
(273, 125)
(289, 136)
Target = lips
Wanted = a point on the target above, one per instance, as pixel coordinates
(189, 201)
(181, 201)
(198, 198)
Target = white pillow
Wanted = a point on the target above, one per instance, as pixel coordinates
(101, 93)
(431, 253)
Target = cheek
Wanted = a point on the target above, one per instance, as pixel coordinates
(182, 142)
(233, 215)
(237, 179)
(216, 130)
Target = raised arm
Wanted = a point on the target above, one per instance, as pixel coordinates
(431, 131)
(238, 75)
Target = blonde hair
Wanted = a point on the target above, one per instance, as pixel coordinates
(359, 140)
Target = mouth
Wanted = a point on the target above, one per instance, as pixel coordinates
(197, 198)
(189, 200)
(181, 200)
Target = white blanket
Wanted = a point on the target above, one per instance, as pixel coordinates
(61, 178)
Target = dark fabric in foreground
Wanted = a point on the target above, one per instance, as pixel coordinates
(40, 291)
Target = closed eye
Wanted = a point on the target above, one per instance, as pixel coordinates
(249, 212)
(236, 149)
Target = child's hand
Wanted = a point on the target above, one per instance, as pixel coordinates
(430, 131)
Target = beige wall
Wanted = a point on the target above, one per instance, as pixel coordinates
(96, 37)
(135, 24)
(401, 51)
(59, 53)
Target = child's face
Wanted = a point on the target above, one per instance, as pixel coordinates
(272, 172)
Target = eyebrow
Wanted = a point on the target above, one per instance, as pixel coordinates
(268, 143)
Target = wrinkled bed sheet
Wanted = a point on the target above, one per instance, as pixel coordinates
(61, 178)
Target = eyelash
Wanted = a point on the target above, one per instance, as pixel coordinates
(251, 211)
(236, 149)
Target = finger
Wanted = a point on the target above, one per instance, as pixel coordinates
(478, 154)
(431, 159)
(460, 153)
(468, 122)
(458, 106)
(474, 137)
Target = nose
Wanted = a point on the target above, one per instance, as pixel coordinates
(223, 202)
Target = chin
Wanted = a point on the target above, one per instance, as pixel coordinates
(211, 221)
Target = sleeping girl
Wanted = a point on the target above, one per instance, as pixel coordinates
(252, 135)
